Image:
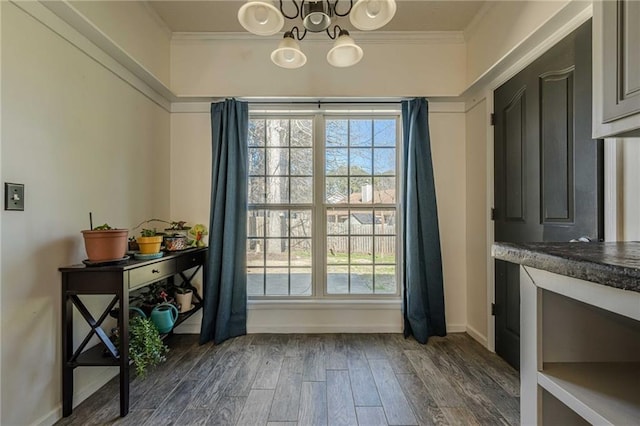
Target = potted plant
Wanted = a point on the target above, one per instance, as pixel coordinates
(150, 241)
(103, 243)
(146, 349)
(183, 298)
(198, 232)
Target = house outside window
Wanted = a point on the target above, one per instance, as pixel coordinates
(323, 211)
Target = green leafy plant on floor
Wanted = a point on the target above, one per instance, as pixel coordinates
(146, 349)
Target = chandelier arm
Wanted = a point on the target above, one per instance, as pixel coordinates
(336, 31)
(297, 31)
(298, 9)
(335, 8)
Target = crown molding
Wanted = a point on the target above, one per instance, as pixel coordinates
(365, 37)
(157, 18)
(472, 27)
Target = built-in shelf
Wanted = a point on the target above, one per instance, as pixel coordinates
(603, 393)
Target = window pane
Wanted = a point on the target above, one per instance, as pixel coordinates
(336, 160)
(385, 222)
(337, 190)
(300, 223)
(301, 161)
(337, 222)
(278, 190)
(277, 282)
(338, 279)
(277, 224)
(360, 132)
(361, 190)
(301, 190)
(256, 134)
(300, 252)
(337, 250)
(256, 161)
(360, 161)
(361, 222)
(361, 279)
(255, 223)
(277, 132)
(277, 252)
(385, 250)
(301, 132)
(255, 252)
(361, 250)
(384, 133)
(277, 162)
(337, 134)
(385, 279)
(256, 190)
(384, 161)
(384, 190)
(255, 281)
(300, 281)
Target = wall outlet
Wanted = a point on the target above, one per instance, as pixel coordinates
(13, 196)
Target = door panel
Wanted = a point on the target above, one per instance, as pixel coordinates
(548, 171)
(556, 98)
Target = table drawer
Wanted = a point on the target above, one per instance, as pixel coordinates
(151, 273)
(190, 260)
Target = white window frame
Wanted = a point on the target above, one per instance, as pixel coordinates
(319, 113)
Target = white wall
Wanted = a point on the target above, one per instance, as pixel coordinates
(216, 66)
(80, 139)
(135, 27)
(476, 224)
(502, 27)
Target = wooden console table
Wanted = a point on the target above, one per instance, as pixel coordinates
(117, 280)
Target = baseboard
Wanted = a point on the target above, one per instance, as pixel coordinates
(324, 328)
(456, 328)
(56, 414)
(477, 336)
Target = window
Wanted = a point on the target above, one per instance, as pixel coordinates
(322, 217)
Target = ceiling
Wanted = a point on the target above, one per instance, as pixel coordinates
(411, 15)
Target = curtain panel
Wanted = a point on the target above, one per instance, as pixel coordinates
(423, 296)
(225, 284)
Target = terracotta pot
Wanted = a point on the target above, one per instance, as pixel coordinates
(110, 244)
(149, 245)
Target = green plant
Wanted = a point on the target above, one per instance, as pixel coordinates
(149, 232)
(104, 227)
(146, 349)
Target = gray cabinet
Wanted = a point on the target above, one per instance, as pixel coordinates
(616, 76)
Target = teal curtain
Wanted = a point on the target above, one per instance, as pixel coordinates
(225, 283)
(423, 304)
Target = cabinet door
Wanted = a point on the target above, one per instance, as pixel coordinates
(621, 59)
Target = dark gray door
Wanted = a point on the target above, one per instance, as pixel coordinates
(548, 171)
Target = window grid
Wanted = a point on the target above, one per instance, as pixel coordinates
(379, 264)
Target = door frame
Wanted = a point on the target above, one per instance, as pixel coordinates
(553, 36)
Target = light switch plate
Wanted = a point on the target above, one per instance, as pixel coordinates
(13, 196)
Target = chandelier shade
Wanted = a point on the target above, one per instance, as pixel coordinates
(316, 16)
(288, 53)
(367, 15)
(260, 17)
(345, 51)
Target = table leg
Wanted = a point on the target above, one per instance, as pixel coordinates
(67, 353)
(123, 349)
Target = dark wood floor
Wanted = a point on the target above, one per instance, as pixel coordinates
(338, 379)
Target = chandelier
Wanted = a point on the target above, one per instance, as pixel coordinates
(262, 17)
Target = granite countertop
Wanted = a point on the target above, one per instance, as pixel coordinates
(613, 264)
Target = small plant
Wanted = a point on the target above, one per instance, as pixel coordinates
(148, 232)
(146, 349)
(104, 227)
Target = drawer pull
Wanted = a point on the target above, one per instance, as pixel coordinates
(155, 271)
(193, 259)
